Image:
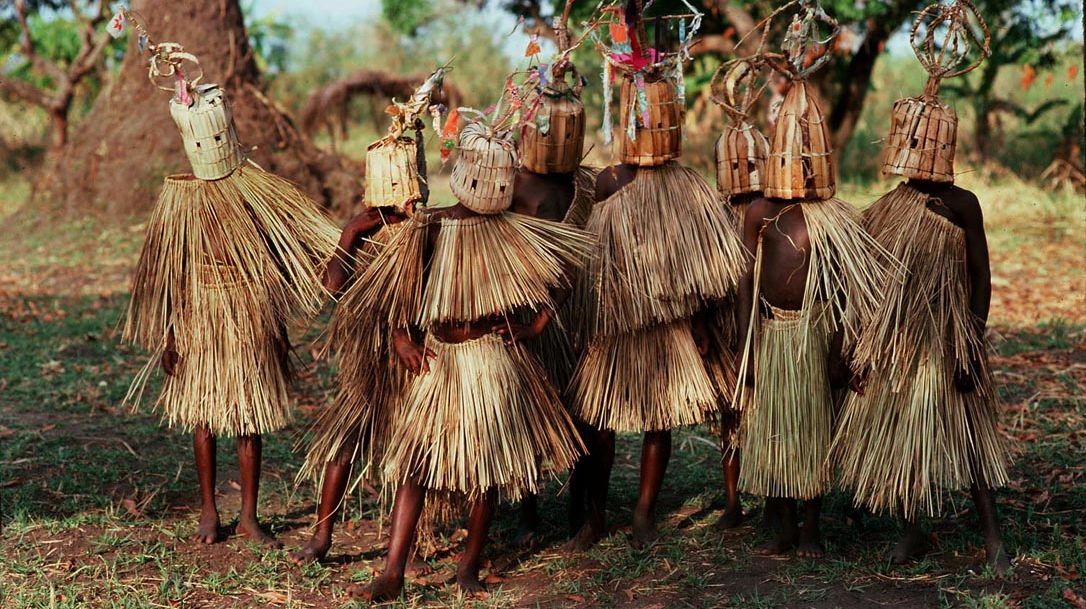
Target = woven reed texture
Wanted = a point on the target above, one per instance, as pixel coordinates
(722, 360)
(208, 134)
(560, 149)
(741, 153)
(645, 380)
(483, 174)
(225, 265)
(661, 139)
(922, 141)
(492, 265)
(667, 248)
(485, 416)
(801, 155)
(392, 177)
(787, 423)
(913, 436)
(370, 386)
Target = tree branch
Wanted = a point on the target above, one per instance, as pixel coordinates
(26, 44)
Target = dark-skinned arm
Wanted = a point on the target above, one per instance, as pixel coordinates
(980, 283)
(357, 230)
(409, 342)
(745, 302)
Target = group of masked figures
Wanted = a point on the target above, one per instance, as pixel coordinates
(488, 344)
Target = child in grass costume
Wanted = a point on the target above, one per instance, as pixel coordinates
(347, 442)
(667, 250)
(925, 422)
(480, 415)
(232, 255)
(815, 279)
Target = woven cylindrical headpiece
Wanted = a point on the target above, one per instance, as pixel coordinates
(207, 131)
(554, 141)
(657, 121)
(922, 141)
(741, 153)
(392, 177)
(483, 174)
(800, 162)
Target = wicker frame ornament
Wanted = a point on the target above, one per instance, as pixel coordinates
(483, 174)
(392, 176)
(554, 141)
(660, 139)
(923, 131)
(741, 150)
(207, 132)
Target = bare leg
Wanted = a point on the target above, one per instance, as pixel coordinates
(912, 545)
(787, 531)
(406, 510)
(599, 467)
(579, 479)
(249, 455)
(810, 536)
(528, 521)
(467, 572)
(336, 475)
(203, 447)
(984, 499)
(655, 454)
(733, 512)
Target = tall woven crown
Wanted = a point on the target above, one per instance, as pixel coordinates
(392, 177)
(208, 133)
(483, 174)
(923, 130)
(741, 150)
(554, 142)
(658, 139)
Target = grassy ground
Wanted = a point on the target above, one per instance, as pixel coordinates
(97, 503)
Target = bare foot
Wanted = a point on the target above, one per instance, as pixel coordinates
(386, 587)
(810, 544)
(782, 543)
(417, 568)
(209, 530)
(313, 551)
(469, 583)
(587, 537)
(912, 546)
(998, 559)
(731, 518)
(644, 531)
(255, 532)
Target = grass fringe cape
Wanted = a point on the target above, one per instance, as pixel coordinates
(913, 435)
(724, 337)
(225, 266)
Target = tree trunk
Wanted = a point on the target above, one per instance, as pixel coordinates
(849, 103)
(58, 123)
(116, 157)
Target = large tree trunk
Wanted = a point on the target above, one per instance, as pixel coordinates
(117, 156)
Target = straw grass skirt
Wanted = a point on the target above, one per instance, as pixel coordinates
(787, 421)
(225, 266)
(483, 417)
(912, 435)
(649, 380)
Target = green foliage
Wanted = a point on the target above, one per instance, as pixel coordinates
(271, 37)
(406, 16)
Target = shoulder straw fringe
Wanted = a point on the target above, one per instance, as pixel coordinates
(913, 435)
(787, 422)
(584, 196)
(484, 417)
(646, 380)
(390, 287)
(225, 266)
(493, 265)
(666, 249)
(354, 427)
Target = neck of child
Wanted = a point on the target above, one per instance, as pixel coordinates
(929, 186)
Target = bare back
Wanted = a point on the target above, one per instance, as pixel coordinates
(786, 250)
(546, 196)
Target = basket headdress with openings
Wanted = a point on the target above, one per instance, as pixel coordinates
(483, 173)
(395, 164)
(652, 99)
(741, 150)
(201, 113)
(923, 130)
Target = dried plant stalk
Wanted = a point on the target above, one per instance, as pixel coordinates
(226, 264)
(912, 435)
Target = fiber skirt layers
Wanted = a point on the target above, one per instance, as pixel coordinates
(787, 421)
(483, 417)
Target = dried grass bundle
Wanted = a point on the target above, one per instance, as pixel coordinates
(667, 248)
(226, 264)
(483, 417)
(913, 434)
(646, 380)
(787, 421)
(492, 265)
